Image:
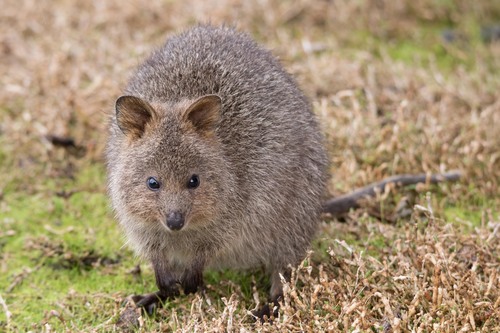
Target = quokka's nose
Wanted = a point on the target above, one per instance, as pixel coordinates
(175, 221)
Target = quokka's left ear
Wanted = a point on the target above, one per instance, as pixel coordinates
(204, 113)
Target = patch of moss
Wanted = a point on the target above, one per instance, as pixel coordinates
(58, 246)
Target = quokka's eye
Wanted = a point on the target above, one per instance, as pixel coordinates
(153, 184)
(194, 181)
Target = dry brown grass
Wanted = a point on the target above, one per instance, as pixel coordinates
(64, 62)
(432, 280)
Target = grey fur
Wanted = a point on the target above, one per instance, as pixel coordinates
(262, 168)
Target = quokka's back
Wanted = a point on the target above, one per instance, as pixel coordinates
(215, 159)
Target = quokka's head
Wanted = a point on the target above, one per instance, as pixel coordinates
(170, 169)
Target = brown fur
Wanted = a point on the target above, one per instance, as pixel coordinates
(223, 109)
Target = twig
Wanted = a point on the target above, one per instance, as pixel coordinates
(21, 276)
(342, 204)
(8, 314)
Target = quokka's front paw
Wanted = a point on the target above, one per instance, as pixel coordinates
(151, 302)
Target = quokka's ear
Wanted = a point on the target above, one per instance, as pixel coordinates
(132, 115)
(204, 113)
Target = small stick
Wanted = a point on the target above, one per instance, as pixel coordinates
(342, 204)
(8, 314)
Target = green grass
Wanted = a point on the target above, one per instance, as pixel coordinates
(54, 246)
(424, 45)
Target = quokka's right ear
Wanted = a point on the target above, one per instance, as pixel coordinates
(132, 115)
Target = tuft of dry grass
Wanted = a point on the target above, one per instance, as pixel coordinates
(392, 97)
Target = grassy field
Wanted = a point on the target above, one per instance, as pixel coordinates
(398, 86)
